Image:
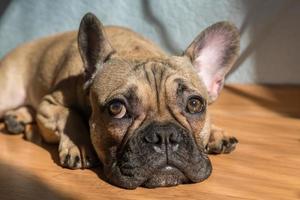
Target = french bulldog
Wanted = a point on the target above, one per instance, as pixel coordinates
(107, 94)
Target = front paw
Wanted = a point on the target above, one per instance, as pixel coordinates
(220, 142)
(75, 157)
(225, 145)
(13, 125)
(16, 120)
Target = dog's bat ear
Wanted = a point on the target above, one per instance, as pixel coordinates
(93, 45)
(213, 53)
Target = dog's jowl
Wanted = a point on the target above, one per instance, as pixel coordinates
(107, 94)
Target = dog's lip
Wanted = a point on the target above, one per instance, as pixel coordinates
(131, 178)
(168, 168)
(165, 169)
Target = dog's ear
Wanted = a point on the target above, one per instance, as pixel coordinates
(93, 45)
(213, 53)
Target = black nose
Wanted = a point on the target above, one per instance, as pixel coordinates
(160, 135)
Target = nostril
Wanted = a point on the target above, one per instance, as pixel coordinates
(174, 138)
(152, 138)
(162, 137)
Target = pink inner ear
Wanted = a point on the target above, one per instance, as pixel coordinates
(209, 61)
(213, 82)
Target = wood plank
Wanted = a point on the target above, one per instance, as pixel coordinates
(265, 165)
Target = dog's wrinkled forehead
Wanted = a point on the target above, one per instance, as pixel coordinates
(147, 77)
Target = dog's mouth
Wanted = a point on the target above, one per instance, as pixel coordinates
(158, 175)
(158, 162)
(166, 176)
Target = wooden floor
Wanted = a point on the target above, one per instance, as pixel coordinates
(265, 165)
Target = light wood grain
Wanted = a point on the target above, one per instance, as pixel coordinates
(265, 165)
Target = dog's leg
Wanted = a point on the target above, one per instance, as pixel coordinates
(59, 124)
(12, 90)
(22, 120)
(220, 142)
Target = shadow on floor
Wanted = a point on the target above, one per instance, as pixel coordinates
(52, 149)
(274, 41)
(285, 99)
(18, 184)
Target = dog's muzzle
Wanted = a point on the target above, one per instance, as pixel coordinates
(159, 155)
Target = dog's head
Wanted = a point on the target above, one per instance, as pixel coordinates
(149, 123)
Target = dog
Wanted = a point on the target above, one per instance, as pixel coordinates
(107, 94)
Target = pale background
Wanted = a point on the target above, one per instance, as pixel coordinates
(270, 29)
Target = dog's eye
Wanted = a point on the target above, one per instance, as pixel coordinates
(117, 109)
(195, 105)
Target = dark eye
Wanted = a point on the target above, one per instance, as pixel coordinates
(117, 109)
(195, 105)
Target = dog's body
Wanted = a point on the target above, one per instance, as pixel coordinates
(32, 70)
(147, 111)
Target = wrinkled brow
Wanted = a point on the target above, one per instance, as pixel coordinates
(128, 93)
(184, 86)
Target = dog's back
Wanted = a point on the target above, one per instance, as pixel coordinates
(28, 72)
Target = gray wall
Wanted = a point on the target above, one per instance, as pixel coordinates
(270, 29)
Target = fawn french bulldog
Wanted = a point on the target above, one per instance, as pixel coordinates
(108, 94)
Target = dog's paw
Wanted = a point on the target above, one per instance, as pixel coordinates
(13, 125)
(16, 120)
(75, 157)
(220, 142)
(225, 145)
